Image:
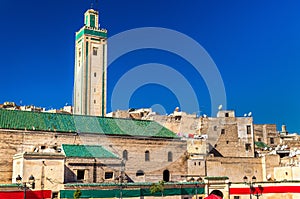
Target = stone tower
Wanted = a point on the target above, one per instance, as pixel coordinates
(89, 96)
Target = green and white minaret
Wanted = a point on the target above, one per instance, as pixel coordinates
(90, 67)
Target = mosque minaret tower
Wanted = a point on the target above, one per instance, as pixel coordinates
(90, 72)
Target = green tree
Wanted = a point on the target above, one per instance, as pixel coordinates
(77, 194)
(158, 187)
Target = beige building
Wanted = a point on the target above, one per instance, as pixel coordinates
(90, 67)
(148, 151)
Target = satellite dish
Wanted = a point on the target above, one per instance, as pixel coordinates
(204, 115)
(249, 114)
(245, 115)
(220, 107)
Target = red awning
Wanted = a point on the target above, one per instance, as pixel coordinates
(46, 194)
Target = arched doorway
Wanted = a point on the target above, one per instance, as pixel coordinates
(166, 175)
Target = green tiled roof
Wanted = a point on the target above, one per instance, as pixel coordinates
(26, 120)
(261, 144)
(87, 151)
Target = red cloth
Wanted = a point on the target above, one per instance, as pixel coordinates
(213, 196)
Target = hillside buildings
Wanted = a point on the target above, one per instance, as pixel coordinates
(127, 153)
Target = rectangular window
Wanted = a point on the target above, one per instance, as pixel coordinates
(223, 131)
(108, 175)
(272, 141)
(170, 156)
(248, 129)
(259, 139)
(95, 51)
(80, 174)
(147, 156)
(248, 147)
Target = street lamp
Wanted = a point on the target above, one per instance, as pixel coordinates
(253, 191)
(122, 178)
(26, 185)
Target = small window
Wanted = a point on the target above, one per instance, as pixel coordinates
(94, 90)
(248, 129)
(227, 142)
(248, 147)
(199, 163)
(95, 51)
(95, 74)
(259, 139)
(147, 156)
(43, 147)
(271, 140)
(79, 53)
(195, 163)
(125, 155)
(226, 114)
(170, 156)
(236, 197)
(223, 131)
(94, 101)
(108, 175)
(215, 128)
(80, 174)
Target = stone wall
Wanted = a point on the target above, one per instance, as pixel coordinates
(234, 168)
(15, 141)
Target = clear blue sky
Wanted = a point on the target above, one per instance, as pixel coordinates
(254, 44)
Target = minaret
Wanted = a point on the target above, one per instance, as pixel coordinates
(90, 67)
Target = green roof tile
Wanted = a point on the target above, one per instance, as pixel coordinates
(261, 144)
(25, 120)
(87, 151)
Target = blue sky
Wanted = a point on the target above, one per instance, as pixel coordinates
(254, 44)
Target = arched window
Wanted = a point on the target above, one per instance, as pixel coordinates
(147, 156)
(170, 156)
(140, 173)
(125, 155)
